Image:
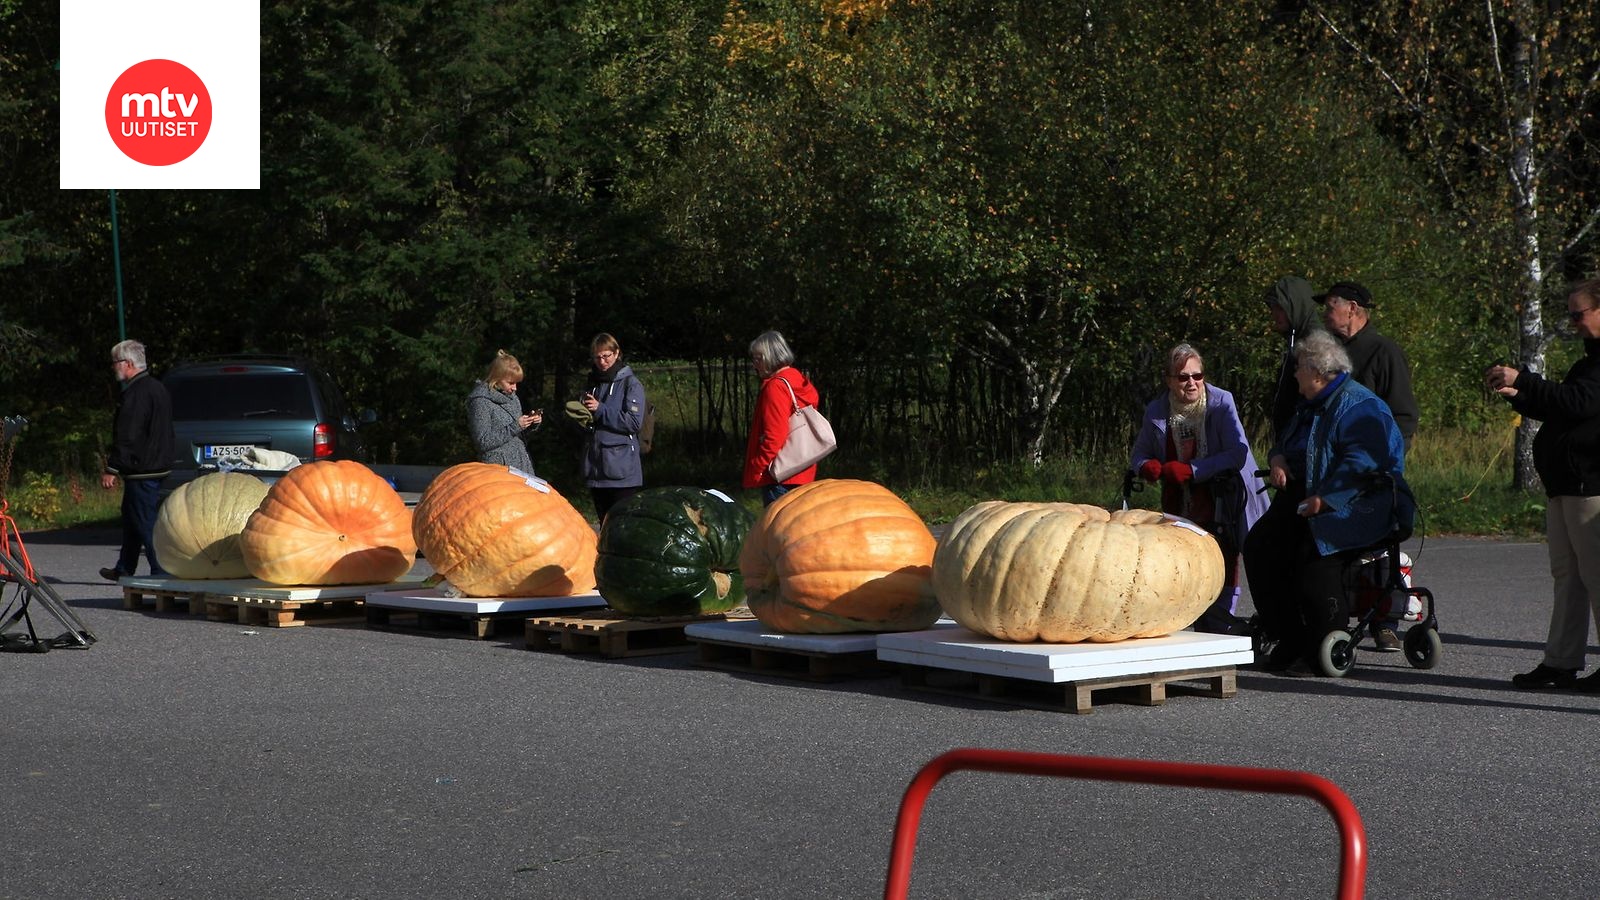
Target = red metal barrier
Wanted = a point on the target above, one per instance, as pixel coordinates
(1352, 834)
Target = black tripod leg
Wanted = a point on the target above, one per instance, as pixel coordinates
(35, 590)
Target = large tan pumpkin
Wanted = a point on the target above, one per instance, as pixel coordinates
(1061, 572)
(839, 556)
(330, 523)
(197, 530)
(490, 533)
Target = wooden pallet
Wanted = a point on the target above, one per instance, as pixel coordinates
(476, 625)
(432, 610)
(164, 599)
(611, 635)
(809, 665)
(1148, 689)
(750, 647)
(276, 613)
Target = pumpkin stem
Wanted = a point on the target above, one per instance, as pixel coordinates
(698, 520)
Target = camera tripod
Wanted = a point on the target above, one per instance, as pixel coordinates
(17, 569)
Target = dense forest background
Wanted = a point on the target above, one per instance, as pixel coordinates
(980, 223)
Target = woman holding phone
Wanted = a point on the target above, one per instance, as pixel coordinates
(612, 467)
(495, 420)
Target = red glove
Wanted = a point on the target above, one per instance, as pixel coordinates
(1151, 470)
(1176, 472)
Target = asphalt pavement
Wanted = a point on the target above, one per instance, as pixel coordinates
(183, 758)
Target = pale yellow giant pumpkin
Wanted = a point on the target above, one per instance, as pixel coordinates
(1062, 573)
(197, 530)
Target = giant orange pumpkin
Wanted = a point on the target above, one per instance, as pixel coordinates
(493, 532)
(1063, 572)
(840, 556)
(329, 523)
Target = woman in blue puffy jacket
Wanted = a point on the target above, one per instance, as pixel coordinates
(1330, 506)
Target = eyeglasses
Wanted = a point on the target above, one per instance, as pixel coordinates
(1576, 315)
(1187, 376)
(604, 355)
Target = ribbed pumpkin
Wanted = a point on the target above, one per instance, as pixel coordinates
(197, 530)
(329, 523)
(491, 533)
(839, 556)
(672, 551)
(1061, 572)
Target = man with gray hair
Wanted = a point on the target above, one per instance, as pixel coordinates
(142, 447)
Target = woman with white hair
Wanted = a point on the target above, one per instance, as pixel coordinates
(1328, 509)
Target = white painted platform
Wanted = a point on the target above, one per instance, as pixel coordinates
(434, 600)
(752, 633)
(255, 588)
(954, 647)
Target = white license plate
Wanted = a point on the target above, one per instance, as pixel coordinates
(227, 451)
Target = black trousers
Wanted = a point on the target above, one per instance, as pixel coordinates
(1299, 593)
(141, 500)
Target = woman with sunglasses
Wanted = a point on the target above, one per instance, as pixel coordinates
(1566, 453)
(1193, 443)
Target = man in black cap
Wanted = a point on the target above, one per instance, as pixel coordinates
(1379, 364)
(1376, 361)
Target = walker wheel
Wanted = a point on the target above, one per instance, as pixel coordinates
(1423, 647)
(1336, 656)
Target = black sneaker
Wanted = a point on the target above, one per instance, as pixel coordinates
(1384, 640)
(110, 574)
(1588, 684)
(1546, 676)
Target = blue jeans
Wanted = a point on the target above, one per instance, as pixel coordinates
(771, 493)
(140, 500)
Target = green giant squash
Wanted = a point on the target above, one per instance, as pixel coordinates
(672, 551)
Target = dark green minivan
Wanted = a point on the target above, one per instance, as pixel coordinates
(222, 407)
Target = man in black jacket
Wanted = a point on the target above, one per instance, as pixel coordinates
(1566, 453)
(141, 454)
(1376, 361)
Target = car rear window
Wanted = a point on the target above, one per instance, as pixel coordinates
(242, 395)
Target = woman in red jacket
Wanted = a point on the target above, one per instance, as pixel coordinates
(783, 389)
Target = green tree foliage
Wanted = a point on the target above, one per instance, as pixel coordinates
(1499, 100)
(980, 223)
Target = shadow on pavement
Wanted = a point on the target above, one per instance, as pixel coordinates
(1357, 685)
(86, 536)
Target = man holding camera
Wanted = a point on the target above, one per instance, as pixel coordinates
(1378, 364)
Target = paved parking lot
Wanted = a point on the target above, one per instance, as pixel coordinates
(184, 758)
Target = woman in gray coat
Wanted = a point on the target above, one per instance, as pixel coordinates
(495, 418)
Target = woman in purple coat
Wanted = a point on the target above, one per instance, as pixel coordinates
(1193, 443)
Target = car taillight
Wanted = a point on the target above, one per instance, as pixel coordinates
(322, 440)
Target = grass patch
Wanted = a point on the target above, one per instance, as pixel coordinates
(44, 502)
(1461, 480)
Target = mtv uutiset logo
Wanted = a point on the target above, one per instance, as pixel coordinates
(160, 94)
(158, 112)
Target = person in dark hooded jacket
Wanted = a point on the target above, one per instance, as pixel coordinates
(1295, 316)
